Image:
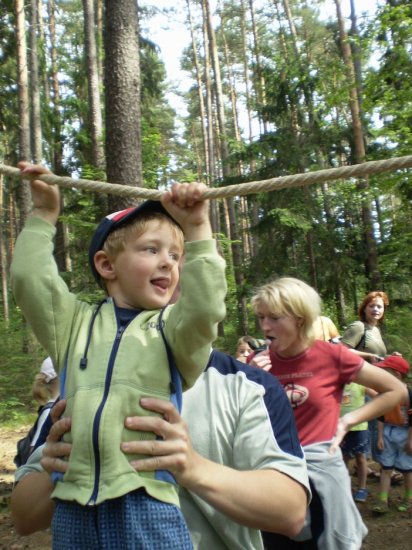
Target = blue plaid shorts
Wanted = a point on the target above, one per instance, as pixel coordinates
(394, 454)
(135, 521)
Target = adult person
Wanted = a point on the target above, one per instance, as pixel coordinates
(239, 462)
(313, 374)
(364, 338)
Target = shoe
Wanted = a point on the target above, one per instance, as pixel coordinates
(405, 505)
(381, 507)
(361, 495)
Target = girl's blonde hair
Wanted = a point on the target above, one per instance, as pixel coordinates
(43, 391)
(290, 297)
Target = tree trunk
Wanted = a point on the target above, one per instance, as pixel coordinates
(24, 112)
(57, 145)
(211, 167)
(3, 258)
(202, 109)
(260, 80)
(122, 96)
(246, 73)
(224, 152)
(95, 112)
(36, 130)
(371, 261)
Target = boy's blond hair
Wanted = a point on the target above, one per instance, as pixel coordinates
(117, 239)
(290, 297)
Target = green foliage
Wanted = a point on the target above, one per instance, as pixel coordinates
(17, 371)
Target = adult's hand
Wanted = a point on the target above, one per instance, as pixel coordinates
(261, 361)
(56, 451)
(173, 452)
(245, 496)
(342, 429)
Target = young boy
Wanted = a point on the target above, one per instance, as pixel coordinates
(395, 440)
(111, 355)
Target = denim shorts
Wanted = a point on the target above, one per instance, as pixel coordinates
(355, 443)
(394, 454)
(135, 521)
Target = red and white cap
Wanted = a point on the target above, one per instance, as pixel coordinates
(395, 362)
(119, 219)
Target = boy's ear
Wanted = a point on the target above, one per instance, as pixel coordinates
(104, 266)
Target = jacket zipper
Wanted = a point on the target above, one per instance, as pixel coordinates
(97, 418)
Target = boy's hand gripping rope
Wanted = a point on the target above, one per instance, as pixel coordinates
(248, 188)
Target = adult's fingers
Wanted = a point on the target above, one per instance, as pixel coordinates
(57, 410)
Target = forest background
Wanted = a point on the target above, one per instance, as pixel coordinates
(277, 89)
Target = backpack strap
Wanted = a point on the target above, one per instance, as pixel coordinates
(361, 344)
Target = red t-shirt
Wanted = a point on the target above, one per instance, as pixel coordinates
(314, 382)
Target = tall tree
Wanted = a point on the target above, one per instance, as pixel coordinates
(371, 257)
(122, 95)
(95, 112)
(36, 126)
(24, 109)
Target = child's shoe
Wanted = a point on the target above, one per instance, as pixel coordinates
(405, 506)
(381, 507)
(361, 495)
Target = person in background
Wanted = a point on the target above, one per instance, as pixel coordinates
(45, 390)
(395, 440)
(355, 444)
(247, 345)
(45, 386)
(313, 374)
(243, 349)
(239, 472)
(325, 329)
(364, 338)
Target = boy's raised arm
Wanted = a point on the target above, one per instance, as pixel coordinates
(45, 197)
(185, 204)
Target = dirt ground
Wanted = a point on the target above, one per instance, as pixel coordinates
(391, 531)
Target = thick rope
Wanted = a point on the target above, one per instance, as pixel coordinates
(272, 184)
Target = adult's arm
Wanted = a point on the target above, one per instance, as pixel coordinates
(390, 392)
(261, 499)
(31, 506)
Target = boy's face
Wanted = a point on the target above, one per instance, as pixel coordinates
(146, 272)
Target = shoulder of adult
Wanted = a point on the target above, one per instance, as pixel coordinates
(353, 333)
(225, 364)
(358, 324)
(270, 393)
